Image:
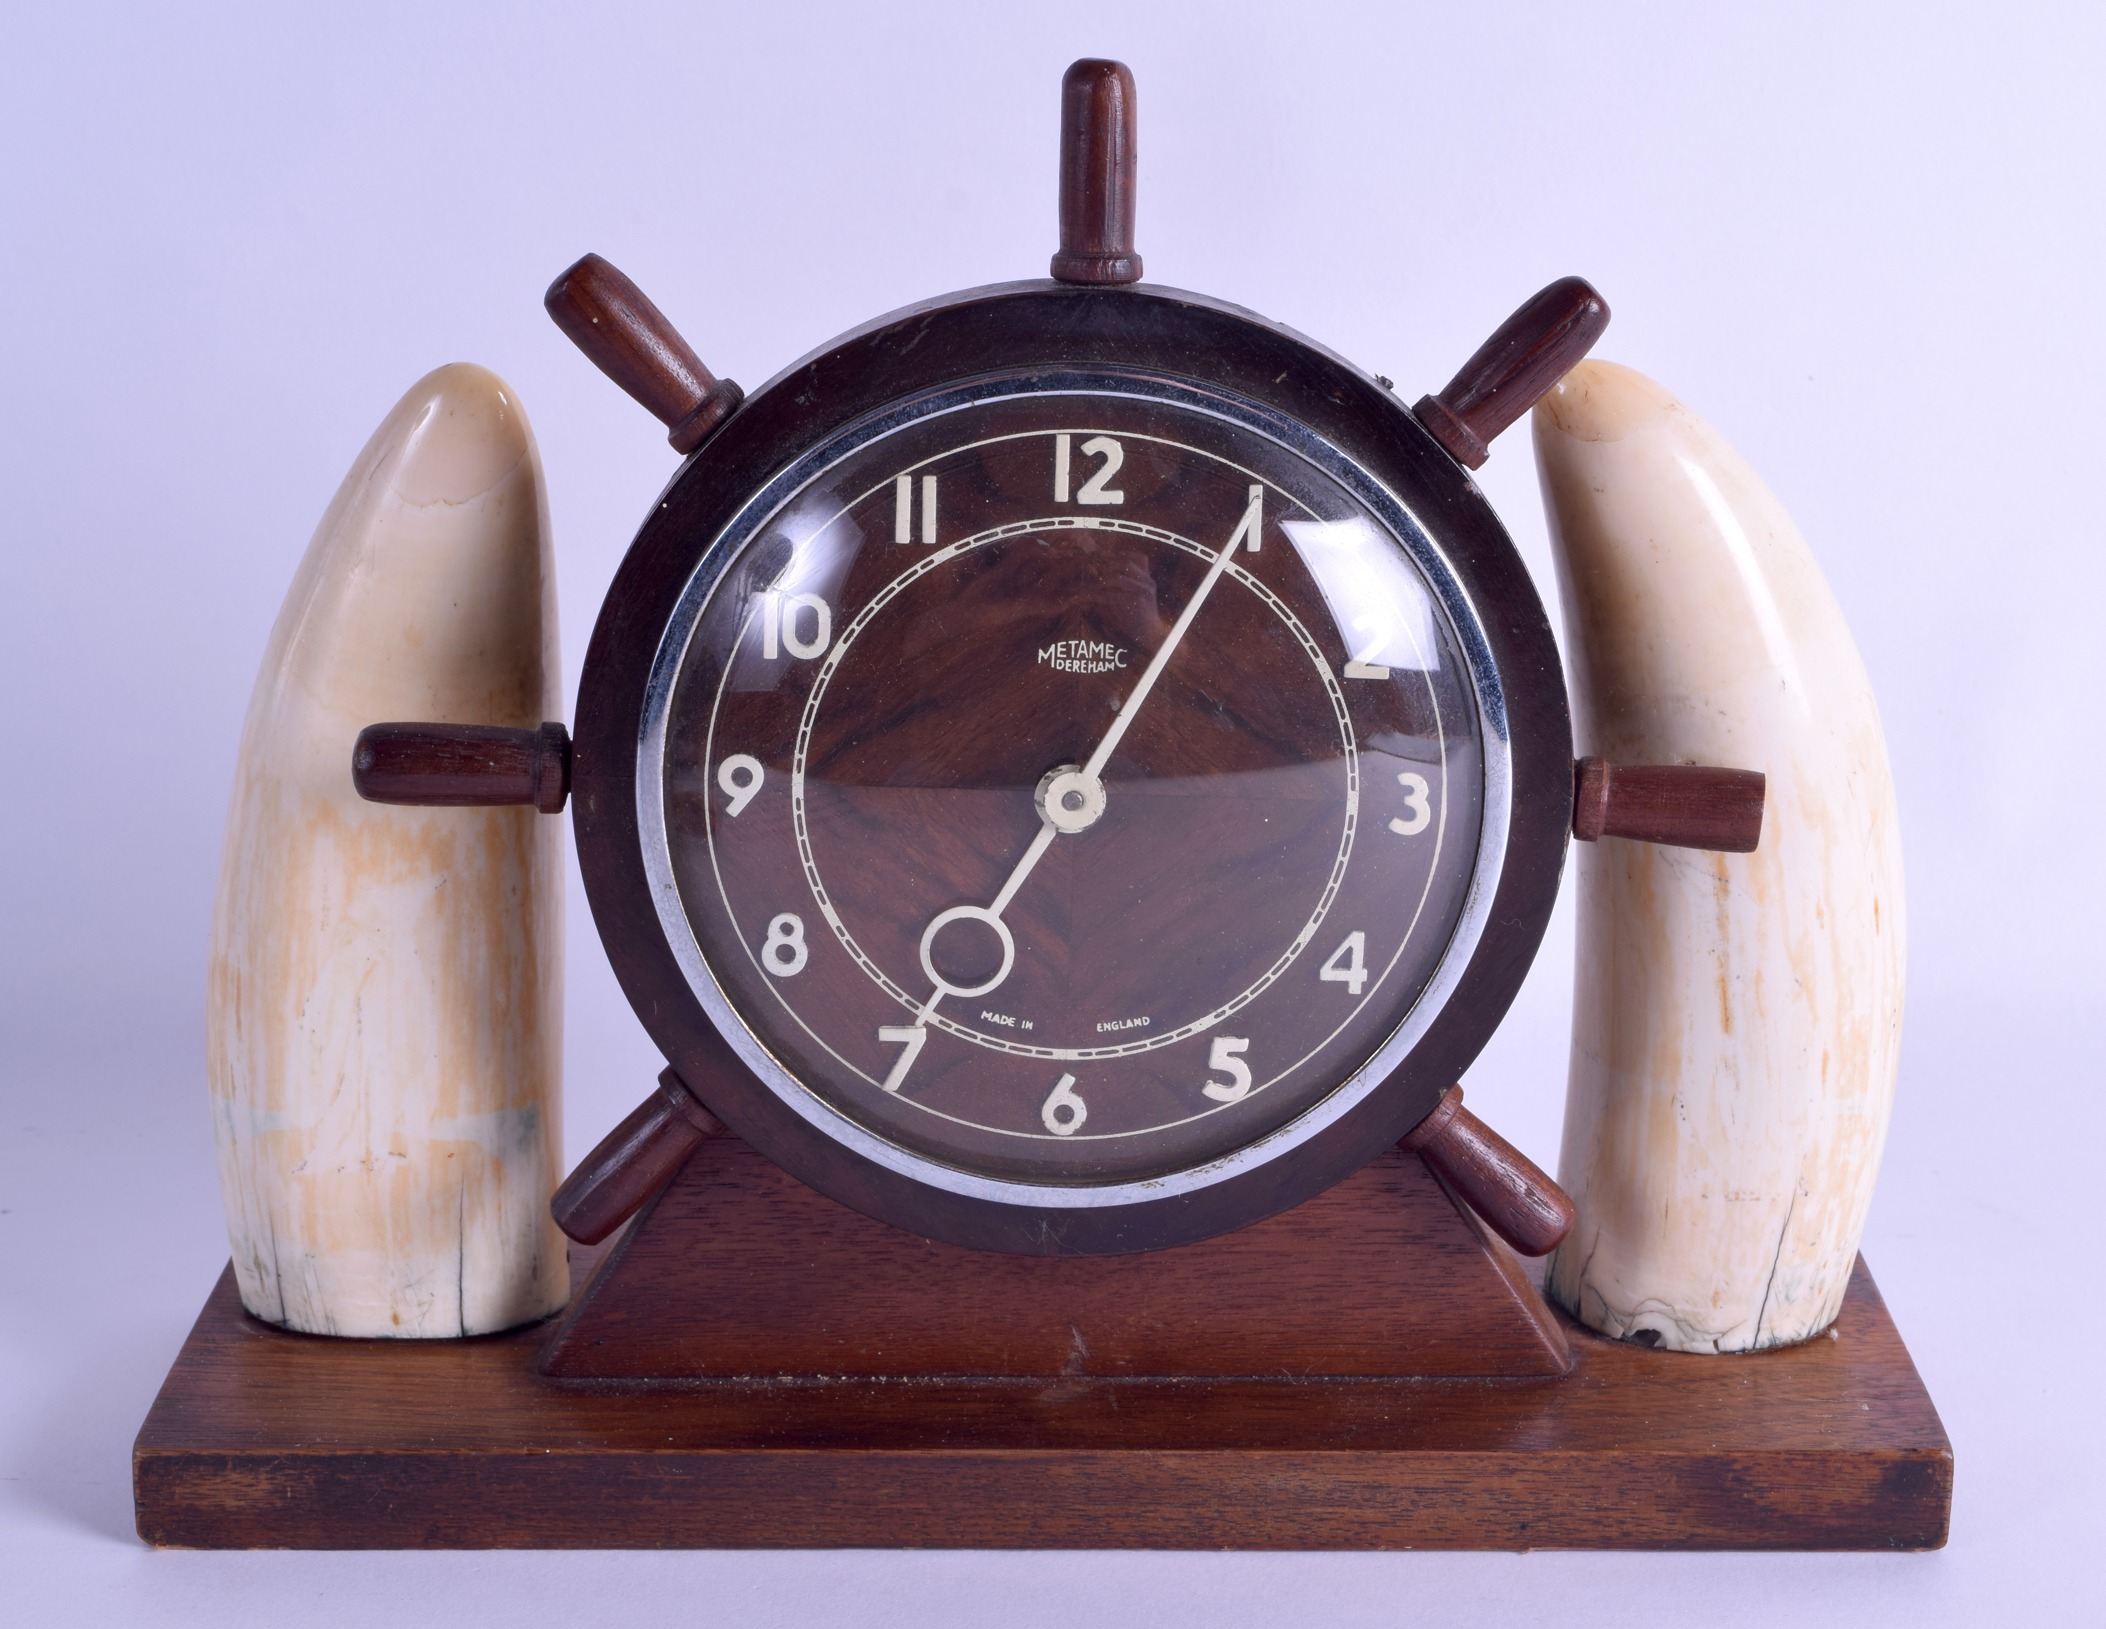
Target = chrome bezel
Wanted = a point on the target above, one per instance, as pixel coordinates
(1465, 625)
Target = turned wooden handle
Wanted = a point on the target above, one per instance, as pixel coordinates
(1517, 1201)
(632, 1162)
(1528, 353)
(628, 339)
(1097, 175)
(1683, 805)
(462, 765)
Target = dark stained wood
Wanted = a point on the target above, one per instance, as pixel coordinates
(1517, 1200)
(628, 338)
(1097, 169)
(1022, 330)
(837, 1381)
(919, 763)
(262, 1438)
(1682, 805)
(1527, 354)
(632, 1162)
(737, 1269)
(462, 765)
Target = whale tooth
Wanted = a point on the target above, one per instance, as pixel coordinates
(1737, 1018)
(384, 1028)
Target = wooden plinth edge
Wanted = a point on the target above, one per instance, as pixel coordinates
(261, 1439)
(737, 1269)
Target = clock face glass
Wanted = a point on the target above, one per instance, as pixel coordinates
(1070, 787)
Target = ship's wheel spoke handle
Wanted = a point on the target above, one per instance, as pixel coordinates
(462, 765)
(632, 1162)
(1503, 1186)
(628, 339)
(1510, 372)
(1097, 172)
(1682, 805)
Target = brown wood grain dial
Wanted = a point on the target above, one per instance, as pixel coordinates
(1071, 768)
(1071, 787)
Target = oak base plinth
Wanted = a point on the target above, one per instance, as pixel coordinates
(263, 1439)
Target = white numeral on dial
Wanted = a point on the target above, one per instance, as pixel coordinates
(913, 1038)
(740, 776)
(1098, 488)
(1064, 1112)
(1224, 1059)
(1364, 666)
(903, 509)
(1253, 527)
(783, 952)
(782, 626)
(1348, 964)
(1415, 790)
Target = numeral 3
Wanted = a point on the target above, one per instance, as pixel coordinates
(1415, 804)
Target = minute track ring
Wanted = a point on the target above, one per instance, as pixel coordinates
(1153, 340)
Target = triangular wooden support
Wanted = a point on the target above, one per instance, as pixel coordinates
(737, 1270)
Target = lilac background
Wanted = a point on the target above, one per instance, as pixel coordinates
(1865, 241)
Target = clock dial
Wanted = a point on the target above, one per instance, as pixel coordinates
(1069, 787)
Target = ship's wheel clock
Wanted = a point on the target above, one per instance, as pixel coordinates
(1072, 767)
(1070, 775)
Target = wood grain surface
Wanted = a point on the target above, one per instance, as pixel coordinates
(1097, 171)
(737, 1269)
(1021, 329)
(1527, 354)
(1513, 1195)
(628, 338)
(261, 1439)
(898, 779)
(462, 765)
(632, 1162)
(1681, 805)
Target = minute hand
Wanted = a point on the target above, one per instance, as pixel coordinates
(1253, 516)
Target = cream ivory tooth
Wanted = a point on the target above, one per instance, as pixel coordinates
(1737, 1018)
(385, 1005)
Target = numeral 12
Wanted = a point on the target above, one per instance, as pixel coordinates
(1097, 489)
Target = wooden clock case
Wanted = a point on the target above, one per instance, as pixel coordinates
(1034, 333)
(746, 1361)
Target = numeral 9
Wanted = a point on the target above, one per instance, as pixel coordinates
(740, 776)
